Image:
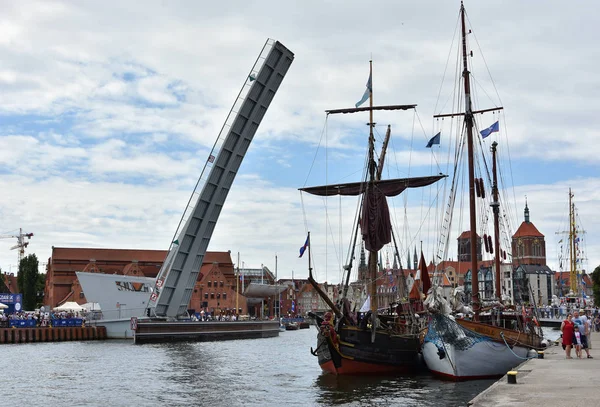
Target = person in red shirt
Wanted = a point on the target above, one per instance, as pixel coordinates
(567, 334)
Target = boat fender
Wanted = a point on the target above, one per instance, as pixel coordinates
(485, 243)
(490, 244)
(441, 353)
(482, 188)
(477, 188)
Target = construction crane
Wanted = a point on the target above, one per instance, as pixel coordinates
(21, 243)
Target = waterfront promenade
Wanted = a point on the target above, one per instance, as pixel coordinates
(550, 382)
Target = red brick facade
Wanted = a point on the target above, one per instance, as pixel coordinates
(62, 284)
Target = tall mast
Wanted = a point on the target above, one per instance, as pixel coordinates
(372, 177)
(496, 208)
(470, 153)
(572, 257)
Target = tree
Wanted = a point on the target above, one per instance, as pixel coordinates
(3, 287)
(596, 285)
(27, 279)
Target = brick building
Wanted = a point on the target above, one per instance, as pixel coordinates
(215, 287)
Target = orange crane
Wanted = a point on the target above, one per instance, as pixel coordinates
(21, 243)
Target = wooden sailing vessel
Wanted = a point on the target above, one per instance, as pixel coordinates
(378, 344)
(489, 345)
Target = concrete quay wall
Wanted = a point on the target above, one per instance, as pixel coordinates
(46, 334)
(553, 381)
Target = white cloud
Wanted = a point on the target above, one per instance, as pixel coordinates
(110, 110)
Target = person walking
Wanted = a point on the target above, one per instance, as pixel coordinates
(577, 341)
(584, 328)
(567, 329)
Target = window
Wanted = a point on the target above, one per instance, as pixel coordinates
(222, 284)
(209, 284)
(206, 296)
(218, 295)
(224, 296)
(212, 296)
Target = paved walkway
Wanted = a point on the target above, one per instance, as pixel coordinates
(550, 382)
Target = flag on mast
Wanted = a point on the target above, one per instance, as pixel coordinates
(367, 93)
(493, 128)
(434, 140)
(303, 248)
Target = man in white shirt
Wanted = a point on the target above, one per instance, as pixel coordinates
(584, 328)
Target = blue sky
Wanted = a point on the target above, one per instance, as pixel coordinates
(108, 112)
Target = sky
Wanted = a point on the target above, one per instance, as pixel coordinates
(108, 112)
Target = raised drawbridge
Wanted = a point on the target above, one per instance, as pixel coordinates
(175, 281)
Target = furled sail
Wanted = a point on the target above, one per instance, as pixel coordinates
(389, 187)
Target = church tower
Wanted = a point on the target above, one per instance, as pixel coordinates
(362, 267)
(528, 244)
(464, 247)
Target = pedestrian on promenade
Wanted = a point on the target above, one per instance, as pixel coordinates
(577, 341)
(567, 335)
(584, 329)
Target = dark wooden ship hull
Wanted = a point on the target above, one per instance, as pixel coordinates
(351, 352)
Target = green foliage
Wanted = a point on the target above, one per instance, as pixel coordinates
(596, 285)
(3, 286)
(27, 279)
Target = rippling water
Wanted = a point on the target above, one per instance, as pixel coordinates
(261, 372)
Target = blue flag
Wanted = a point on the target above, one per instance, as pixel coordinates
(303, 248)
(434, 140)
(366, 94)
(493, 128)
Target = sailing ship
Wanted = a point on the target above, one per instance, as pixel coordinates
(377, 344)
(496, 340)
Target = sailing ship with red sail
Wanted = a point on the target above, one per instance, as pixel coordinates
(378, 343)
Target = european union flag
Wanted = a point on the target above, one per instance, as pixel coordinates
(303, 248)
(493, 128)
(434, 140)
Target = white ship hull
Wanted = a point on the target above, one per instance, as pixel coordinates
(120, 298)
(471, 356)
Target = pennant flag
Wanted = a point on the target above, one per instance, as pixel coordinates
(424, 275)
(493, 128)
(434, 140)
(303, 248)
(366, 94)
(560, 241)
(176, 242)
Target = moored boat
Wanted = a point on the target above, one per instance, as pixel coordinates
(373, 343)
(488, 345)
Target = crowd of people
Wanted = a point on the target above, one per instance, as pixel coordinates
(41, 318)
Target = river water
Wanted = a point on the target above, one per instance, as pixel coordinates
(259, 372)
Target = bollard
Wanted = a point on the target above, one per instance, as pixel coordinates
(512, 377)
(540, 354)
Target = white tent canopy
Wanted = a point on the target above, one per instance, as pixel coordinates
(92, 306)
(3, 306)
(70, 306)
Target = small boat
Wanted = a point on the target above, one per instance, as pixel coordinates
(291, 326)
